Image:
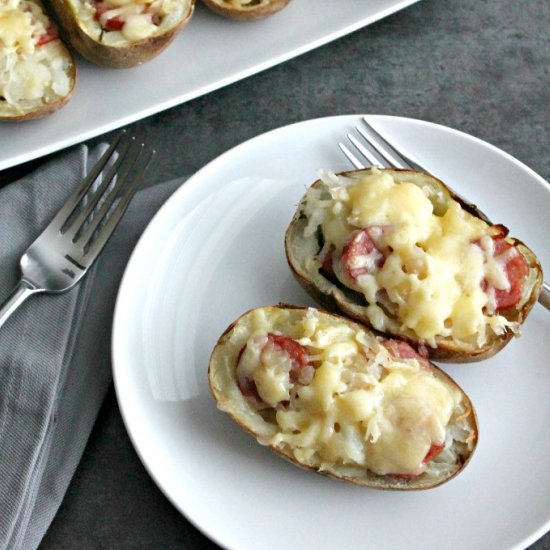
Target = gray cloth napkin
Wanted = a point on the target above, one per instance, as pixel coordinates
(55, 366)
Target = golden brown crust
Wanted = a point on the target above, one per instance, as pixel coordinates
(247, 10)
(123, 56)
(335, 298)
(253, 423)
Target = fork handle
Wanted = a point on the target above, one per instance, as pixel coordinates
(19, 294)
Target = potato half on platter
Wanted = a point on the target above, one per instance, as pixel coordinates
(37, 71)
(243, 10)
(400, 252)
(329, 395)
(122, 33)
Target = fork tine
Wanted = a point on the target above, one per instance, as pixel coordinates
(370, 156)
(96, 245)
(68, 208)
(72, 227)
(389, 152)
(352, 158)
(109, 193)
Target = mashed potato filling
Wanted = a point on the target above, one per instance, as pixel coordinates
(29, 72)
(437, 260)
(361, 406)
(134, 19)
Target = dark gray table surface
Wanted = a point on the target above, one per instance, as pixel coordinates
(478, 66)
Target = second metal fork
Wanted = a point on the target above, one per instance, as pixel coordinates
(70, 244)
(377, 150)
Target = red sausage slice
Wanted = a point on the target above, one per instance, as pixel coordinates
(50, 35)
(516, 269)
(360, 255)
(250, 391)
(300, 370)
(113, 23)
(434, 451)
(296, 352)
(404, 350)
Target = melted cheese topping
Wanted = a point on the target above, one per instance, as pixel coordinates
(431, 279)
(29, 72)
(272, 381)
(141, 18)
(363, 407)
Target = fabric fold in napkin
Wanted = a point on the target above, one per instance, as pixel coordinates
(55, 351)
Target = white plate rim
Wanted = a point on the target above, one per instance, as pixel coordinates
(37, 138)
(189, 189)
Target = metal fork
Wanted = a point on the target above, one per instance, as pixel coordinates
(69, 245)
(377, 150)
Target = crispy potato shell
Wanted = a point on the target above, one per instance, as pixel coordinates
(34, 109)
(336, 298)
(38, 110)
(86, 39)
(229, 399)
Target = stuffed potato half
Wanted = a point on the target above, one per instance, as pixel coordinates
(329, 395)
(37, 72)
(399, 251)
(122, 33)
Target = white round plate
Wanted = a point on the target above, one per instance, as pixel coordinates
(215, 250)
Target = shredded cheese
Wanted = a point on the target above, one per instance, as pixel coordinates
(29, 73)
(139, 19)
(435, 263)
(363, 408)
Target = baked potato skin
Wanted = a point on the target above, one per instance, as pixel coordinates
(126, 56)
(45, 109)
(13, 113)
(261, 10)
(446, 351)
(370, 479)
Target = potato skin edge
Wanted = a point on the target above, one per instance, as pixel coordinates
(445, 351)
(49, 108)
(116, 57)
(386, 483)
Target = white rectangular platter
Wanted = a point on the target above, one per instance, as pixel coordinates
(210, 53)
